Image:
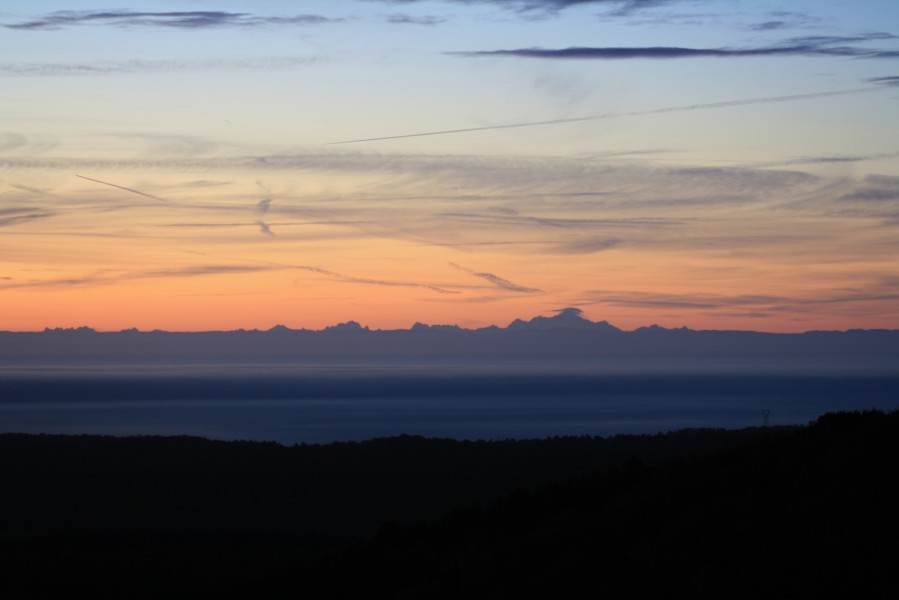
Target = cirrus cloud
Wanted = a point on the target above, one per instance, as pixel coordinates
(197, 19)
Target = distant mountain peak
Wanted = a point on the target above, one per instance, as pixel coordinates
(419, 327)
(655, 328)
(566, 318)
(82, 329)
(349, 326)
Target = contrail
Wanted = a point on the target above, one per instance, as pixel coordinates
(655, 111)
(121, 187)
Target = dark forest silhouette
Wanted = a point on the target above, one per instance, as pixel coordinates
(743, 513)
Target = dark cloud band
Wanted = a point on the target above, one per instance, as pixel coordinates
(622, 7)
(116, 67)
(814, 46)
(175, 20)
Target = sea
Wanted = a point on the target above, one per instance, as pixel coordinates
(324, 404)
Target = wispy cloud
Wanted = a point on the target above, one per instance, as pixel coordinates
(579, 246)
(775, 304)
(769, 25)
(636, 299)
(824, 159)
(108, 277)
(114, 67)
(876, 188)
(175, 20)
(440, 289)
(585, 246)
(14, 216)
(498, 281)
(399, 19)
(621, 7)
(20, 144)
(196, 270)
(782, 19)
(803, 46)
(892, 80)
(11, 141)
(561, 223)
(262, 207)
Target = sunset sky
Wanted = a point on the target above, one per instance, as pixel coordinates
(214, 165)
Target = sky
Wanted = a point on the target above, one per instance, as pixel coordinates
(216, 165)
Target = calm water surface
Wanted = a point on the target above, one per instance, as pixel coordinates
(351, 404)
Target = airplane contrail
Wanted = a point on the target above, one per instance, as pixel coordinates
(121, 187)
(655, 111)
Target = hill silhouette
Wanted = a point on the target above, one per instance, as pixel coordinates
(808, 513)
(700, 512)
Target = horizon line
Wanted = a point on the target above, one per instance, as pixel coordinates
(352, 325)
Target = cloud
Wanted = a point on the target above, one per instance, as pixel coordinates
(498, 281)
(11, 141)
(451, 184)
(656, 111)
(105, 278)
(892, 80)
(264, 228)
(194, 271)
(878, 292)
(173, 20)
(622, 7)
(114, 67)
(878, 188)
(564, 204)
(542, 246)
(551, 213)
(836, 158)
(635, 299)
(262, 207)
(804, 46)
(585, 246)
(784, 20)
(345, 278)
(769, 25)
(20, 144)
(399, 19)
(560, 223)
(14, 216)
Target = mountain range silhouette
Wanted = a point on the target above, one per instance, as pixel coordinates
(565, 339)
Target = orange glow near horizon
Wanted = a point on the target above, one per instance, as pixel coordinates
(194, 230)
(264, 250)
(391, 284)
